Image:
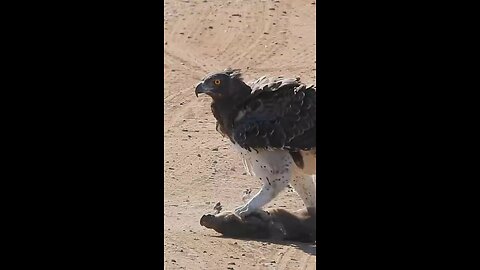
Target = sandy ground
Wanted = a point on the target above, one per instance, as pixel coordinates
(262, 38)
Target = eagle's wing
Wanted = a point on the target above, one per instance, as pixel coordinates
(279, 114)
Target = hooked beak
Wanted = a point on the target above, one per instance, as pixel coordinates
(199, 89)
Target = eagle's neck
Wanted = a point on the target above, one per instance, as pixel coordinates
(225, 111)
(226, 108)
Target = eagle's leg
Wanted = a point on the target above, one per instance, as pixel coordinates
(264, 196)
(304, 185)
(304, 178)
(274, 169)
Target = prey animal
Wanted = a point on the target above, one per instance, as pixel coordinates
(272, 124)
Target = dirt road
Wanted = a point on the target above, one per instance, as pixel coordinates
(202, 36)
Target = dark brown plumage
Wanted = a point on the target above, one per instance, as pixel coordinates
(269, 113)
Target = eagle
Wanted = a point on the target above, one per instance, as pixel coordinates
(271, 122)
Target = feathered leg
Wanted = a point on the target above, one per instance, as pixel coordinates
(264, 196)
(304, 178)
(274, 169)
(305, 187)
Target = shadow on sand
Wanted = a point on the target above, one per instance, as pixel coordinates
(309, 248)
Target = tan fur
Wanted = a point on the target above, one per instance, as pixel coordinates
(276, 223)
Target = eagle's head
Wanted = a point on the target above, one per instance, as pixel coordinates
(227, 84)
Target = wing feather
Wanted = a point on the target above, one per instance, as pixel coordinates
(280, 114)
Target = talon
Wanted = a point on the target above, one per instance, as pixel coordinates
(241, 212)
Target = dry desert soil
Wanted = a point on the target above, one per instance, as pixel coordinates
(261, 37)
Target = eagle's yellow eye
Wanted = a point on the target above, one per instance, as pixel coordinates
(217, 82)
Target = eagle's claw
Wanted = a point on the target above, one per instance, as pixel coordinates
(242, 211)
